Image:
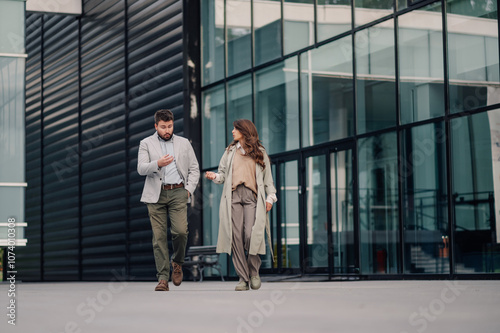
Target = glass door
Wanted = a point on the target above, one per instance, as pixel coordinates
(344, 243)
(330, 233)
(285, 217)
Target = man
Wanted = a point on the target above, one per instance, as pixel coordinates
(172, 173)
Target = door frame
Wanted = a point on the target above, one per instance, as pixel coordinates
(327, 151)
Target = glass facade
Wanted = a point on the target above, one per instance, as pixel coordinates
(472, 54)
(476, 185)
(361, 107)
(12, 125)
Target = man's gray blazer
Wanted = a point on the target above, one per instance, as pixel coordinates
(185, 159)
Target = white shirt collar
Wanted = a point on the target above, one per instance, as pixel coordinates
(238, 146)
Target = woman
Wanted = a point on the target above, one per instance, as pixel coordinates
(246, 173)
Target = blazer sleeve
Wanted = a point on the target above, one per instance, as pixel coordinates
(193, 170)
(145, 167)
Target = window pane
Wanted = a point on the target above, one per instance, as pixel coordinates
(473, 54)
(212, 31)
(368, 10)
(289, 206)
(298, 24)
(276, 111)
(421, 64)
(375, 73)
(12, 206)
(334, 18)
(341, 191)
(12, 132)
(12, 27)
(267, 25)
(316, 211)
(476, 192)
(239, 95)
(378, 204)
(213, 120)
(267, 261)
(425, 216)
(239, 40)
(327, 93)
(212, 194)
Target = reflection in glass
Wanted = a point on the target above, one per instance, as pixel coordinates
(267, 261)
(473, 54)
(239, 31)
(212, 121)
(289, 209)
(212, 194)
(276, 106)
(316, 212)
(212, 30)
(368, 10)
(344, 251)
(375, 73)
(378, 204)
(12, 27)
(421, 64)
(12, 130)
(239, 95)
(267, 26)
(476, 192)
(298, 24)
(333, 18)
(327, 93)
(12, 140)
(425, 217)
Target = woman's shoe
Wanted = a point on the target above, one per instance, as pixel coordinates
(255, 282)
(242, 286)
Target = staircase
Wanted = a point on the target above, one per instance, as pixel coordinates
(423, 262)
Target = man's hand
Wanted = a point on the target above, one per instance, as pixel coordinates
(210, 175)
(165, 160)
(268, 206)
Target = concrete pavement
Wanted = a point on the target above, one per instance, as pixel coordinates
(213, 306)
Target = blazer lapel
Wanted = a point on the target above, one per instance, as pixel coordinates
(176, 148)
(156, 144)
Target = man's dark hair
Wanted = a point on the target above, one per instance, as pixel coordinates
(164, 114)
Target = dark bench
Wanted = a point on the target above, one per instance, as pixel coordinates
(201, 257)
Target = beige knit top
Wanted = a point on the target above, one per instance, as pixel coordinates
(244, 171)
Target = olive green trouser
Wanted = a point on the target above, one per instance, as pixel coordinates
(174, 203)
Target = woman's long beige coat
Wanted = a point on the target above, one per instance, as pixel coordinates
(265, 186)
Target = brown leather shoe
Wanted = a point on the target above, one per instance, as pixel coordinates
(162, 286)
(176, 274)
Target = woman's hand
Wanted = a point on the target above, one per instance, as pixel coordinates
(268, 206)
(210, 175)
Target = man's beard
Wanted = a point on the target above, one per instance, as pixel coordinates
(166, 136)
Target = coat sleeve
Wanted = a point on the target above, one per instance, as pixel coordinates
(145, 167)
(222, 169)
(193, 171)
(268, 177)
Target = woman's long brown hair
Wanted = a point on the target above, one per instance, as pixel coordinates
(251, 143)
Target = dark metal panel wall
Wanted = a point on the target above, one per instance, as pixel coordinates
(93, 84)
(104, 185)
(155, 82)
(60, 147)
